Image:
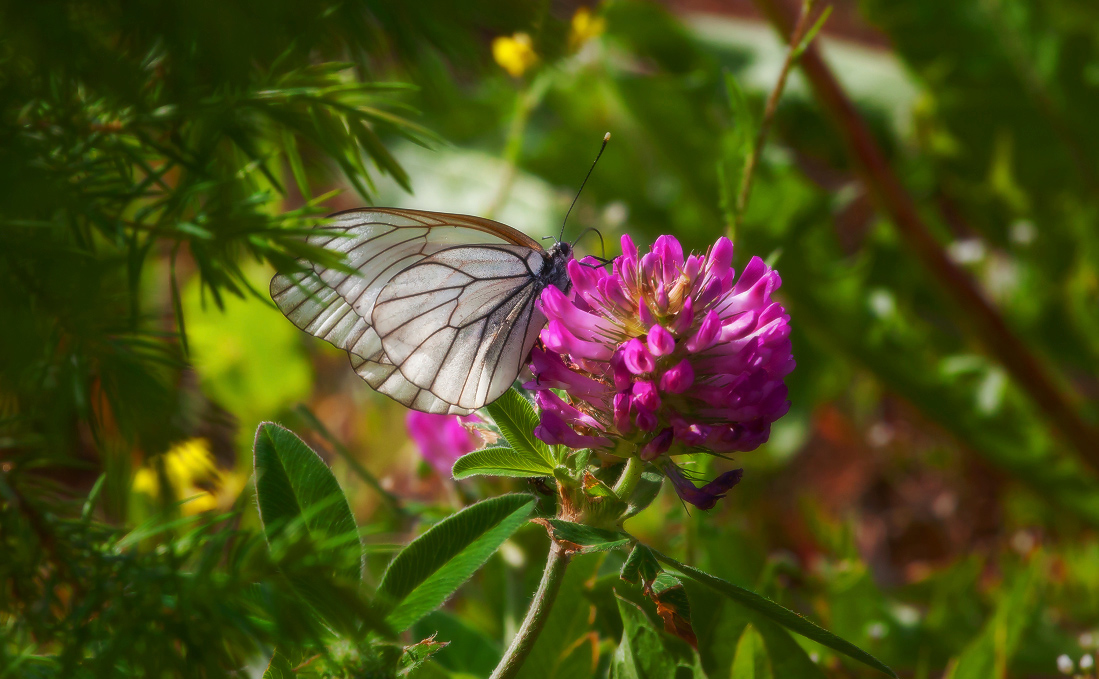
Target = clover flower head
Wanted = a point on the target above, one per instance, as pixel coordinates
(664, 355)
(442, 439)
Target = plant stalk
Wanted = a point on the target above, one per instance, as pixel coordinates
(537, 614)
(1046, 389)
(792, 55)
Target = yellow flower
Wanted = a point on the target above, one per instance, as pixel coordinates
(186, 465)
(188, 462)
(515, 54)
(199, 502)
(585, 26)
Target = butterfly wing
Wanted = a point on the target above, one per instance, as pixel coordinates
(378, 243)
(459, 323)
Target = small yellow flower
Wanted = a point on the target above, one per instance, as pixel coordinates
(188, 462)
(515, 54)
(145, 482)
(199, 502)
(186, 465)
(585, 26)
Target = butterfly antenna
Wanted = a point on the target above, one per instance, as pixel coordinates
(606, 138)
(602, 245)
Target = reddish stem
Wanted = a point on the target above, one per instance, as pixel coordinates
(985, 320)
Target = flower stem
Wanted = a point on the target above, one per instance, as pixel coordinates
(537, 614)
(792, 56)
(526, 100)
(628, 481)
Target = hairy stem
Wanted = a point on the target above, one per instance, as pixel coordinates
(792, 55)
(521, 645)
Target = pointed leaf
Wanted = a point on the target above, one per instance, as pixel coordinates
(750, 661)
(673, 607)
(641, 566)
(647, 490)
(581, 538)
(501, 461)
(641, 653)
(434, 565)
(293, 484)
(417, 654)
(772, 611)
(516, 419)
(991, 652)
(282, 664)
(788, 658)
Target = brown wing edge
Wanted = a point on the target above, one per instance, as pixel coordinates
(507, 233)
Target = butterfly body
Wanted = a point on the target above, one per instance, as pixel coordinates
(438, 310)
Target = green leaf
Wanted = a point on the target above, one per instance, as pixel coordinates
(750, 661)
(295, 487)
(812, 32)
(744, 124)
(988, 656)
(426, 572)
(647, 490)
(673, 606)
(583, 538)
(308, 522)
(516, 419)
(641, 566)
(501, 461)
(788, 658)
(772, 611)
(282, 664)
(641, 653)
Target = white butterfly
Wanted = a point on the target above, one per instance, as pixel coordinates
(440, 314)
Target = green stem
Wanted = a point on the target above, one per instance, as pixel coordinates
(628, 481)
(792, 55)
(537, 614)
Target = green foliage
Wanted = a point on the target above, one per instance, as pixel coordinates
(300, 503)
(751, 657)
(158, 159)
(469, 650)
(501, 461)
(294, 484)
(435, 564)
(514, 416)
(990, 654)
(584, 538)
(83, 593)
(778, 614)
(787, 658)
(641, 654)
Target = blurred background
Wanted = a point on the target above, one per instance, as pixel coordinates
(929, 193)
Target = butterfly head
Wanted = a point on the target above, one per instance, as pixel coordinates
(557, 265)
(561, 250)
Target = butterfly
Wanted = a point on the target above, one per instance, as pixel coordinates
(439, 313)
